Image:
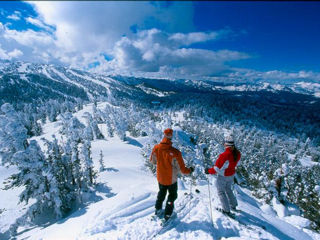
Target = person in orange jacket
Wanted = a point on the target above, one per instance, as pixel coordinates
(169, 163)
(225, 168)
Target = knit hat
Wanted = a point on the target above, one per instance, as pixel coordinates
(168, 132)
(228, 140)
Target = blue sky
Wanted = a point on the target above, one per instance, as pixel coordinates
(259, 40)
(283, 35)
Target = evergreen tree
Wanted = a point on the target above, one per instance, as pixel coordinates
(13, 134)
(92, 127)
(101, 162)
(87, 162)
(39, 179)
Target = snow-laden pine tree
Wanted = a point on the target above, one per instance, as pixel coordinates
(154, 137)
(54, 111)
(60, 170)
(13, 134)
(120, 123)
(73, 129)
(79, 103)
(135, 117)
(88, 172)
(108, 118)
(30, 118)
(76, 164)
(40, 183)
(87, 131)
(92, 127)
(101, 162)
(97, 114)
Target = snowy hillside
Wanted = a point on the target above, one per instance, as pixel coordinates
(45, 87)
(27, 81)
(123, 202)
(74, 149)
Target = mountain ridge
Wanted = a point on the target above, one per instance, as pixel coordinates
(16, 76)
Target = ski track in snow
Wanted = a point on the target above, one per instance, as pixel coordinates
(101, 83)
(65, 78)
(23, 77)
(126, 205)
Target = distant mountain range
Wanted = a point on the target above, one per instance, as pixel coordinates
(28, 82)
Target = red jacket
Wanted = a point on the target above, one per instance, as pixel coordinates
(225, 164)
(169, 162)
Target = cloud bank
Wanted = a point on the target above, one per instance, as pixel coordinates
(152, 39)
(157, 51)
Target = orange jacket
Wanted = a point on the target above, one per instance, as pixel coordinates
(169, 162)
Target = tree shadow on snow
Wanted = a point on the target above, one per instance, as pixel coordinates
(111, 169)
(205, 226)
(6, 235)
(87, 199)
(245, 197)
(102, 188)
(133, 142)
(47, 218)
(252, 220)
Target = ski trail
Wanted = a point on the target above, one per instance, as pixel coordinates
(126, 215)
(65, 78)
(101, 83)
(122, 214)
(152, 229)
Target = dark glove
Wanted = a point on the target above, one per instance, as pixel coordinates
(191, 169)
(206, 170)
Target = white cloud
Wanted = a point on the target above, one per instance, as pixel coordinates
(96, 26)
(38, 23)
(274, 76)
(78, 34)
(34, 45)
(29, 37)
(15, 53)
(4, 55)
(195, 37)
(15, 16)
(156, 51)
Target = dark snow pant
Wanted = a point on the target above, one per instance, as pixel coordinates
(225, 193)
(172, 189)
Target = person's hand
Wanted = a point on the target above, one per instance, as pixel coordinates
(191, 169)
(206, 170)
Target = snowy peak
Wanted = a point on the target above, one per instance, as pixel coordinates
(32, 82)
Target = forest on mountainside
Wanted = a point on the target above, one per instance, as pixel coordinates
(277, 132)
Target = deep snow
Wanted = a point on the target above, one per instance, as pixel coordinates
(124, 204)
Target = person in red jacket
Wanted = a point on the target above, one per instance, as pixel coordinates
(225, 168)
(169, 163)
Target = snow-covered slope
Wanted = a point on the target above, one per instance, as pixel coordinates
(25, 82)
(124, 203)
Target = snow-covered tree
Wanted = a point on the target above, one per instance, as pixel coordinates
(13, 134)
(92, 127)
(101, 162)
(38, 177)
(88, 172)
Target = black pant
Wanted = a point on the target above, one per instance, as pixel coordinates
(173, 194)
